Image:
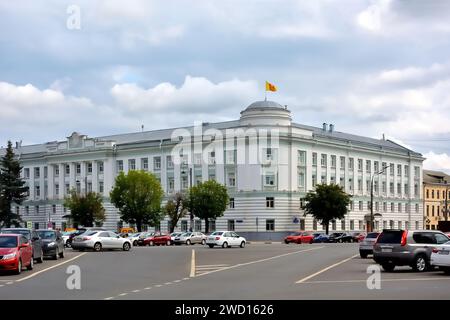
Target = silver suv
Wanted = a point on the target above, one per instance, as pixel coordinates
(406, 248)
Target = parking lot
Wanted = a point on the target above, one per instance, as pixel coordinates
(258, 271)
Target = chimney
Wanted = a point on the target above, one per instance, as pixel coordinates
(331, 127)
(324, 126)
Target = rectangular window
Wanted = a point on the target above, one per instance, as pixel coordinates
(375, 186)
(45, 172)
(270, 225)
(36, 210)
(157, 163)
(100, 167)
(350, 184)
(391, 169)
(416, 172)
(270, 202)
(89, 167)
(171, 184)
(314, 180)
(144, 164)
(119, 166)
(301, 180)
(231, 179)
(342, 163)
(376, 168)
(323, 160)
(184, 225)
(333, 225)
(169, 162)
(37, 172)
(360, 225)
(132, 164)
(54, 208)
(78, 168)
(406, 171)
(391, 188)
(417, 208)
(384, 206)
(269, 179)
(184, 182)
(231, 204)
(89, 187)
(314, 159)
(101, 187)
(314, 224)
(343, 224)
(406, 188)
(392, 207)
(212, 225)
(351, 164)
(360, 164)
(269, 154)
(26, 173)
(399, 170)
(67, 188)
(301, 157)
(37, 191)
(230, 225)
(383, 187)
(323, 179)
(333, 161)
(360, 206)
(352, 224)
(399, 207)
(368, 166)
(67, 169)
(399, 188)
(230, 156)
(56, 189)
(198, 225)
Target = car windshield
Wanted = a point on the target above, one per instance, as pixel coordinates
(49, 235)
(187, 234)
(217, 233)
(8, 242)
(372, 235)
(25, 233)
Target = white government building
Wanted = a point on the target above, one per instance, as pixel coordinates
(265, 195)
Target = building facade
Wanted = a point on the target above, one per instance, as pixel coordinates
(436, 191)
(267, 162)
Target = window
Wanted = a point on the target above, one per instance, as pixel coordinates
(375, 186)
(368, 166)
(391, 188)
(37, 172)
(212, 225)
(144, 164)
(314, 224)
(169, 162)
(231, 179)
(360, 205)
(343, 224)
(391, 169)
(78, 168)
(119, 166)
(376, 167)
(132, 164)
(399, 170)
(323, 179)
(212, 176)
(432, 194)
(269, 155)
(417, 225)
(270, 225)
(399, 207)
(428, 193)
(37, 191)
(56, 172)
(54, 208)
(333, 225)
(101, 187)
(56, 189)
(383, 187)
(231, 156)
(377, 206)
(342, 164)
(323, 160)
(399, 224)
(198, 225)
(26, 173)
(314, 180)
(184, 225)
(100, 167)
(384, 206)
(391, 224)
(384, 224)
(36, 225)
(333, 161)
(314, 159)
(171, 184)
(301, 157)
(157, 163)
(36, 210)
(27, 210)
(231, 204)
(352, 224)
(416, 172)
(269, 179)
(341, 182)
(89, 187)
(407, 171)
(270, 202)
(360, 164)
(78, 186)
(350, 184)
(360, 225)
(184, 182)
(399, 188)
(67, 188)
(230, 225)
(351, 164)
(301, 180)
(89, 167)
(406, 188)
(437, 194)
(417, 208)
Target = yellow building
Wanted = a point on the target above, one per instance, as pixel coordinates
(436, 195)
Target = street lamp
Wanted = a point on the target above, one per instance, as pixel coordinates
(85, 185)
(191, 215)
(372, 220)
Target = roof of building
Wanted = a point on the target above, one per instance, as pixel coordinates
(265, 105)
(430, 176)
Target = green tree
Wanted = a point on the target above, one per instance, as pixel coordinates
(207, 200)
(175, 208)
(138, 196)
(12, 188)
(327, 203)
(86, 209)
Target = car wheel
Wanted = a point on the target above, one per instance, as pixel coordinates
(168, 243)
(242, 244)
(420, 263)
(61, 254)
(31, 265)
(310, 241)
(211, 245)
(135, 243)
(445, 269)
(19, 267)
(151, 243)
(41, 257)
(188, 242)
(69, 244)
(388, 267)
(203, 242)
(126, 246)
(285, 241)
(97, 246)
(363, 255)
(340, 240)
(225, 245)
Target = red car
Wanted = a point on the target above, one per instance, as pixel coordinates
(158, 239)
(16, 252)
(299, 237)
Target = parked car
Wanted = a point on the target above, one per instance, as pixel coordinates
(66, 235)
(158, 239)
(366, 245)
(99, 240)
(340, 237)
(320, 238)
(225, 239)
(33, 238)
(358, 236)
(294, 237)
(52, 243)
(440, 257)
(142, 237)
(173, 235)
(134, 238)
(80, 231)
(190, 238)
(406, 248)
(16, 252)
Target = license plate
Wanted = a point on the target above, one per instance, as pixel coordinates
(443, 252)
(386, 250)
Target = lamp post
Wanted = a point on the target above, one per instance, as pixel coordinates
(191, 215)
(85, 185)
(372, 220)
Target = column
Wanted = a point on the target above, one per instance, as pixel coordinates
(83, 177)
(94, 177)
(61, 181)
(51, 181)
(72, 175)
(42, 182)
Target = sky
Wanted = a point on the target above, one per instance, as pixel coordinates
(370, 67)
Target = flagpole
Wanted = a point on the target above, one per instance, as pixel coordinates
(265, 91)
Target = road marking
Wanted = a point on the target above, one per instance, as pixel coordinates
(258, 261)
(5, 280)
(167, 283)
(148, 288)
(11, 282)
(52, 267)
(176, 281)
(213, 265)
(365, 280)
(192, 264)
(326, 269)
(135, 291)
(109, 298)
(186, 278)
(123, 294)
(158, 285)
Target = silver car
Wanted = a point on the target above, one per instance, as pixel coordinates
(190, 238)
(99, 240)
(366, 245)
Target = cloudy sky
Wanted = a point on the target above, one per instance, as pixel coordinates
(368, 66)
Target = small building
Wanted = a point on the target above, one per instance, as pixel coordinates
(436, 190)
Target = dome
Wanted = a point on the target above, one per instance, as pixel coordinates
(265, 105)
(266, 113)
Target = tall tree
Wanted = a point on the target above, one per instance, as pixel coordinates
(86, 209)
(175, 208)
(12, 187)
(138, 196)
(208, 200)
(327, 203)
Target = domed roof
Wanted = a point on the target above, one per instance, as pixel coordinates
(265, 105)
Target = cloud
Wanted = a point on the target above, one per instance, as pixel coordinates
(437, 162)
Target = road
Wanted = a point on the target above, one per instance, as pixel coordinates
(259, 271)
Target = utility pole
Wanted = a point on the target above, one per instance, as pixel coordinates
(191, 215)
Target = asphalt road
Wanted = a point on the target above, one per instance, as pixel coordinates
(259, 271)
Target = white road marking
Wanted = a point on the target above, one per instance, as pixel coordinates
(49, 268)
(213, 265)
(365, 280)
(123, 294)
(192, 264)
(201, 268)
(135, 291)
(158, 285)
(11, 282)
(148, 288)
(176, 281)
(109, 298)
(258, 261)
(186, 278)
(326, 269)
(167, 283)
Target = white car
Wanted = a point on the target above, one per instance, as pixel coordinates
(173, 235)
(99, 240)
(440, 257)
(134, 238)
(225, 239)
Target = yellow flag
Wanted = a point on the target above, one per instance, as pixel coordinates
(270, 87)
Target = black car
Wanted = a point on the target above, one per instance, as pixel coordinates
(32, 236)
(340, 237)
(52, 243)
